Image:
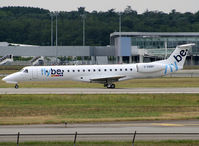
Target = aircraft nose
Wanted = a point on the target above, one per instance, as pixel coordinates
(9, 79)
(5, 79)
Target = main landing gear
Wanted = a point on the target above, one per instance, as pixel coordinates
(109, 85)
(16, 86)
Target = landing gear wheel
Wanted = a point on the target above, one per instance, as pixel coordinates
(16, 86)
(111, 86)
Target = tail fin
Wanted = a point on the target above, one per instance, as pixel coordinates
(179, 55)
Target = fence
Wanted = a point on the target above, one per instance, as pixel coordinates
(75, 137)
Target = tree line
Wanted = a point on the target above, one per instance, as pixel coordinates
(26, 25)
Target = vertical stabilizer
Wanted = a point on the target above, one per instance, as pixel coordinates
(177, 59)
(179, 55)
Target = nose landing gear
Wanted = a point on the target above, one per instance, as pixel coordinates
(16, 86)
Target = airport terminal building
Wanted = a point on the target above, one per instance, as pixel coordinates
(125, 47)
(149, 46)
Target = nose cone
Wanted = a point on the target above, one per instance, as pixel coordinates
(5, 79)
(9, 79)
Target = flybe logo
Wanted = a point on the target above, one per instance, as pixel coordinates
(183, 53)
(171, 66)
(52, 72)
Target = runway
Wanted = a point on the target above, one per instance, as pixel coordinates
(99, 91)
(117, 131)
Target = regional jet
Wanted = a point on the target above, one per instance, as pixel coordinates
(104, 74)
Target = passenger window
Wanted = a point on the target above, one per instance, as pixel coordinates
(104, 69)
(83, 70)
(73, 70)
(110, 69)
(131, 69)
(99, 69)
(68, 70)
(89, 70)
(120, 69)
(125, 69)
(93, 70)
(78, 70)
(115, 69)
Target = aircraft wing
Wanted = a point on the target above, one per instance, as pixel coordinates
(107, 78)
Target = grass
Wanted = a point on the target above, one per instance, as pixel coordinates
(39, 109)
(106, 143)
(187, 67)
(11, 67)
(7, 71)
(134, 83)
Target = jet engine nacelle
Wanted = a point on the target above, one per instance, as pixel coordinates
(148, 67)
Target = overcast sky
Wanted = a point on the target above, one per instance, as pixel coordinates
(104, 5)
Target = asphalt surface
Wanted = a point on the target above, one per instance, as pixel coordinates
(97, 90)
(117, 131)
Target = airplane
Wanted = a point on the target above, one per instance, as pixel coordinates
(104, 74)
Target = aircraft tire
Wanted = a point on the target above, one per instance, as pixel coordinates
(113, 86)
(16, 86)
(109, 86)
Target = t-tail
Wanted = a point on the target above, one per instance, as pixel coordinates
(177, 59)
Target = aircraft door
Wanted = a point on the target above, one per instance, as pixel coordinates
(34, 73)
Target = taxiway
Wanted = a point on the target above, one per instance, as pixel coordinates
(99, 91)
(114, 131)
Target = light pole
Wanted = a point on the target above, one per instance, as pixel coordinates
(83, 29)
(120, 23)
(83, 32)
(120, 30)
(51, 15)
(56, 13)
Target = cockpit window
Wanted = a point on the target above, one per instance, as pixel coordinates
(25, 71)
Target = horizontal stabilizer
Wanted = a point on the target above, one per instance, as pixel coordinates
(186, 46)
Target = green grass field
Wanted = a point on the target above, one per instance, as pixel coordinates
(139, 143)
(37, 109)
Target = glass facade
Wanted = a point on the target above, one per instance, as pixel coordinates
(158, 45)
(162, 42)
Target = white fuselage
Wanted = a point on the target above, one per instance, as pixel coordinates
(82, 72)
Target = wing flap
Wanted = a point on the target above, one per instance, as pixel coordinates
(107, 78)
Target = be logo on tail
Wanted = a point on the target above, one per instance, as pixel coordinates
(183, 53)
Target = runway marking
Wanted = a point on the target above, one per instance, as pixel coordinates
(168, 124)
(173, 125)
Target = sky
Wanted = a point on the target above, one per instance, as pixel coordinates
(103, 5)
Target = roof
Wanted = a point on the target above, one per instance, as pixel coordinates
(156, 34)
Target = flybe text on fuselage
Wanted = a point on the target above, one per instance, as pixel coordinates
(52, 72)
